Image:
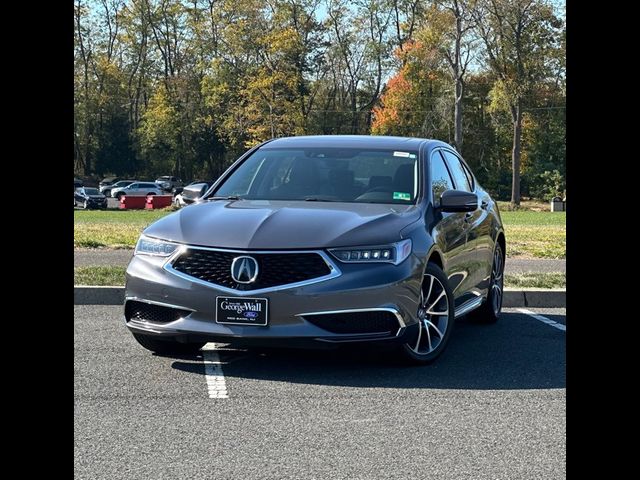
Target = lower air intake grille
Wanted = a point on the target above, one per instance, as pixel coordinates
(356, 322)
(152, 313)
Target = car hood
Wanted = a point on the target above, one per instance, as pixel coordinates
(261, 224)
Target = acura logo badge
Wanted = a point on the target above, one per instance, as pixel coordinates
(244, 269)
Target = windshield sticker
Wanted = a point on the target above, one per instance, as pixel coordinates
(401, 196)
(401, 154)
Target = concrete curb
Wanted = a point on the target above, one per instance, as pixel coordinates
(531, 297)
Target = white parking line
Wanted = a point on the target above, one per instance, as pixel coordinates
(214, 375)
(543, 319)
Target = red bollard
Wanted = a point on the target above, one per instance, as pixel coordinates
(158, 201)
(132, 202)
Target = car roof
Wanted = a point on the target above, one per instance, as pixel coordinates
(348, 141)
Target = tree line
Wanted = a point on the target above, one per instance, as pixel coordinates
(184, 87)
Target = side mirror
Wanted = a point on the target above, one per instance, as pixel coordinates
(458, 201)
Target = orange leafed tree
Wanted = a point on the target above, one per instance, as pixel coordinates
(408, 105)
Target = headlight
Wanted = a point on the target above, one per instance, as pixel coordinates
(394, 253)
(151, 246)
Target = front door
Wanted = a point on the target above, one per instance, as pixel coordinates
(477, 223)
(450, 234)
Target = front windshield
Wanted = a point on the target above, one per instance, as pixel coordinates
(326, 174)
(91, 191)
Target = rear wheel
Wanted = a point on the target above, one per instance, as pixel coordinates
(435, 318)
(489, 311)
(166, 347)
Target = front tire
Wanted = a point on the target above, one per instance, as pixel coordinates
(166, 347)
(435, 315)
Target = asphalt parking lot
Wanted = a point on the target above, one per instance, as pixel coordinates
(492, 406)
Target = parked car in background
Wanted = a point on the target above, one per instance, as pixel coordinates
(107, 189)
(89, 197)
(107, 181)
(137, 189)
(178, 201)
(191, 193)
(168, 183)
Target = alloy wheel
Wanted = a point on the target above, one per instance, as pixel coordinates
(433, 316)
(497, 275)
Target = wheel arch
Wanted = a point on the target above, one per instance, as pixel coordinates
(501, 240)
(434, 256)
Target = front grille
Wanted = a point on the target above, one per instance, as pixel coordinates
(148, 312)
(356, 322)
(274, 269)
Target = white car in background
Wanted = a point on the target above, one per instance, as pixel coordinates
(137, 189)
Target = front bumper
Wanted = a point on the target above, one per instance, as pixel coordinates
(382, 287)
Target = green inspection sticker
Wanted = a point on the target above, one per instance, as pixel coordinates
(401, 196)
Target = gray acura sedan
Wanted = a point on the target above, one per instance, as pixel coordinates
(323, 241)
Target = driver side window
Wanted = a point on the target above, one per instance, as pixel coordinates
(440, 176)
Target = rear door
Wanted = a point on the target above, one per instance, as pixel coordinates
(148, 188)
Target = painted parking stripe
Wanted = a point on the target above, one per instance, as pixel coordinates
(543, 319)
(216, 385)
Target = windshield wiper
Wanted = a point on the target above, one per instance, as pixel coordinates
(316, 199)
(230, 197)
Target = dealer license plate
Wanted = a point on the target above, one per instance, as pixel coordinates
(242, 311)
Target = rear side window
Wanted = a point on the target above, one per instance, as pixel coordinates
(440, 177)
(457, 172)
(469, 176)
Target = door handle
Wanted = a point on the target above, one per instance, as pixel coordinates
(467, 216)
(484, 204)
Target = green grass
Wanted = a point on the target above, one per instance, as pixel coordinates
(536, 280)
(535, 234)
(529, 233)
(111, 228)
(110, 275)
(98, 275)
